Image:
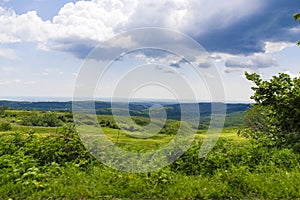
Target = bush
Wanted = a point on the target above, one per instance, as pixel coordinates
(4, 126)
(45, 119)
(170, 128)
(275, 116)
(108, 123)
(63, 147)
(227, 154)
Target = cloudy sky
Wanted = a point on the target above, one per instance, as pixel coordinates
(44, 43)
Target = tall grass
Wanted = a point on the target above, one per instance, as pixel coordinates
(57, 166)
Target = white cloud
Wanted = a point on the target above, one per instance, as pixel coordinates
(262, 61)
(191, 16)
(25, 27)
(88, 22)
(274, 47)
(295, 30)
(221, 57)
(254, 62)
(82, 20)
(87, 19)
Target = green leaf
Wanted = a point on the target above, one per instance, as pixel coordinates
(297, 16)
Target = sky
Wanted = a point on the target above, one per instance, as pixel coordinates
(46, 44)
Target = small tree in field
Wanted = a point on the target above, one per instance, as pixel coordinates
(275, 115)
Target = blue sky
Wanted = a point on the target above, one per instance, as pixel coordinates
(43, 43)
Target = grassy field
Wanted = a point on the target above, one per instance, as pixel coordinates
(51, 163)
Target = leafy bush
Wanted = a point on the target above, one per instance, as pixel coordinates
(4, 126)
(44, 119)
(108, 123)
(66, 118)
(64, 147)
(275, 116)
(171, 127)
(227, 154)
(142, 121)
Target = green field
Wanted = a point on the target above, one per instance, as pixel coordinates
(40, 162)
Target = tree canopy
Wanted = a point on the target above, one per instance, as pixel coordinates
(275, 115)
(297, 17)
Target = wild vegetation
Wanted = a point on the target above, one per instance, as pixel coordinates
(275, 117)
(58, 166)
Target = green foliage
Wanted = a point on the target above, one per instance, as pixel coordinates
(275, 116)
(3, 109)
(66, 118)
(48, 119)
(171, 127)
(4, 126)
(53, 164)
(142, 121)
(57, 166)
(64, 147)
(29, 162)
(108, 123)
(227, 154)
(297, 17)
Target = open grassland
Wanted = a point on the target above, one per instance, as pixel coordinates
(39, 162)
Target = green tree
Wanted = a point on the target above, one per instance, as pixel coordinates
(275, 115)
(297, 17)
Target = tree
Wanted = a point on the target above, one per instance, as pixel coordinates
(297, 17)
(275, 115)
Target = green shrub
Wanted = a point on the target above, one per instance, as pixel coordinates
(4, 126)
(109, 123)
(170, 128)
(44, 119)
(275, 116)
(227, 154)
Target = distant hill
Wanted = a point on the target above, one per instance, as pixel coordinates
(234, 112)
(173, 108)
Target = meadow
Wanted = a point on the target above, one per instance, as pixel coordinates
(42, 157)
